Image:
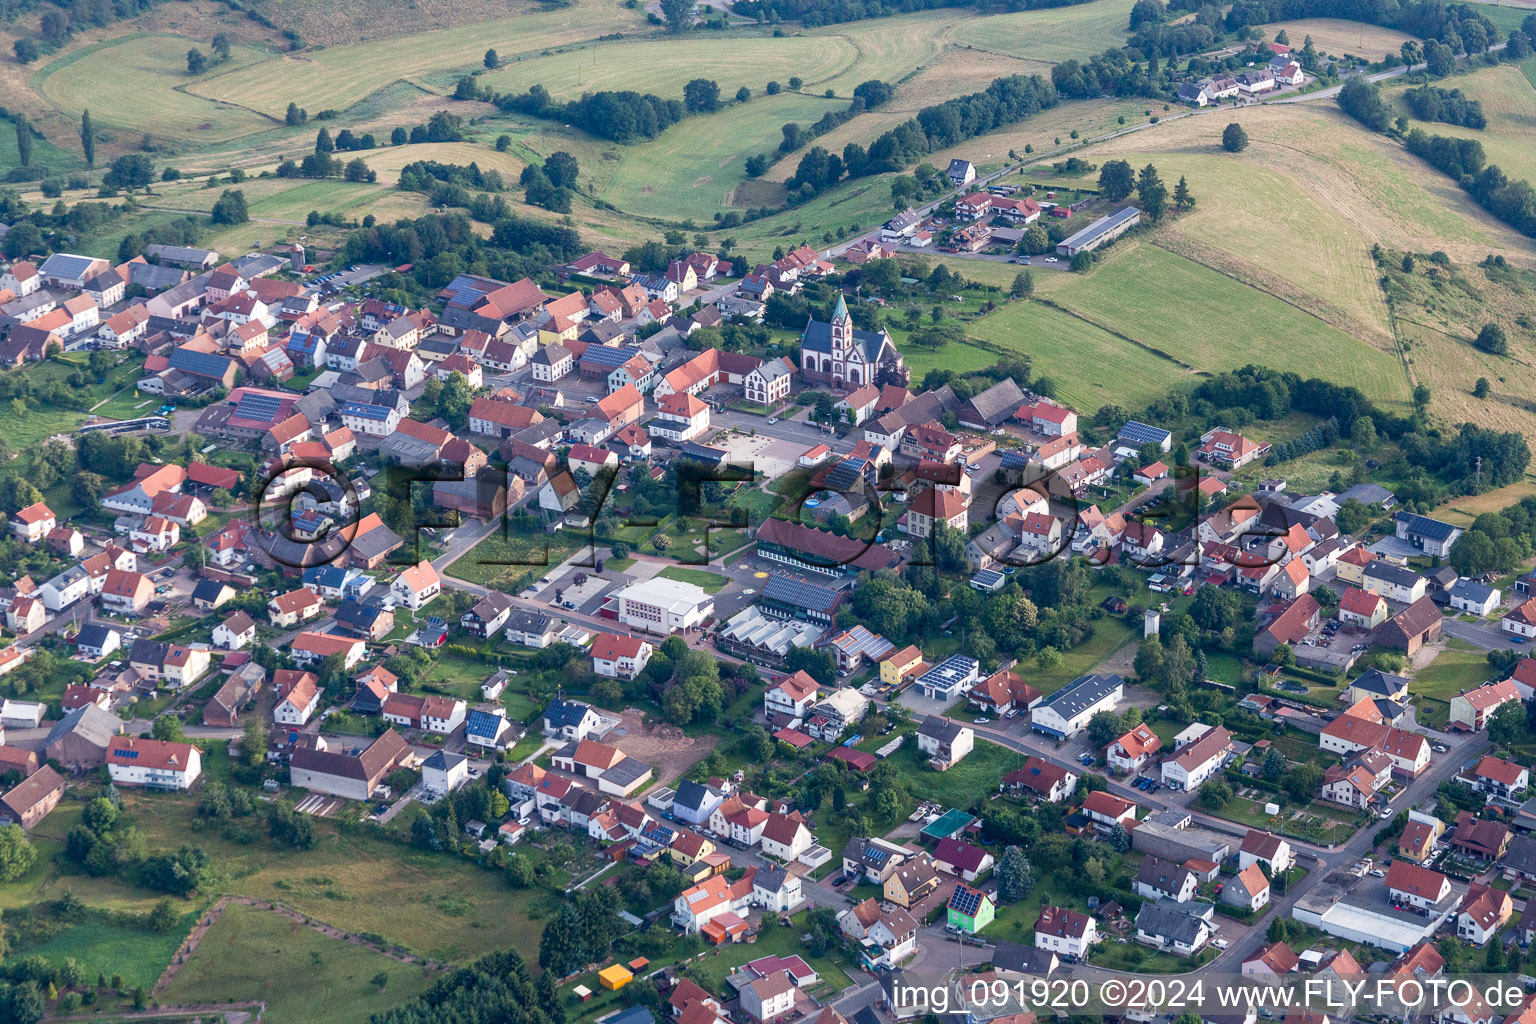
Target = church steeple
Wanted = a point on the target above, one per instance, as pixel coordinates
(842, 326)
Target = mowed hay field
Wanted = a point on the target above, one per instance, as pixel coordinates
(339, 76)
(694, 168)
(1328, 188)
(324, 980)
(1509, 103)
(1213, 323)
(1052, 34)
(389, 161)
(1337, 37)
(1091, 366)
(139, 83)
(664, 66)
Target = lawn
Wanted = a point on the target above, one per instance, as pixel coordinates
(1090, 366)
(101, 947)
(1207, 321)
(140, 83)
(44, 155)
(711, 582)
(344, 75)
(323, 980)
(1460, 666)
(1316, 823)
(1109, 635)
(712, 969)
(974, 778)
(499, 560)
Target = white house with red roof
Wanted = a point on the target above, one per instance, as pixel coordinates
(1106, 810)
(1500, 778)
(1471, 710)
(1230, 450)
(619, 657)
(157, 764)
(298, 699)
(1484, 911)
(1419, 886)
(417, 586)
(1192, 765)
(32, 523)
(1048, 418)
(1134, 749)
(680, 417)
(1362, 608)
(815, 455)
(785, 837)
(712, 898)
(974, 206)
(1064, 931)
(309, 647)
(962, 860)
(791, 696)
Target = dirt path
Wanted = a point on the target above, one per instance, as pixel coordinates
(207, 920)
(233, 1013)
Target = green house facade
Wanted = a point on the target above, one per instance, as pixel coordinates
(970, 910)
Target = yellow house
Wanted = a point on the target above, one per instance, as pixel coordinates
(912, 880)
(690, 847)
(1351, 565)
(895, 667)
(1418, 839)
(549, 337)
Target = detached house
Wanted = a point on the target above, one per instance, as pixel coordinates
(945, 742)
(157, 764)
(619, 657)
(1067, 933)
(1133, 750)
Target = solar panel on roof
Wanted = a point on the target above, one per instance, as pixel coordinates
(965, 900)
(1139, 433)
(258, 407)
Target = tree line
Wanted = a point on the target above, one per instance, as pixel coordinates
(1432, 103)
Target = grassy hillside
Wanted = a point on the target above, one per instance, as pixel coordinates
(664, 66)
(1509, 103)
(158, 101)
(1091, 366)
(1211, 322)
(1052, 34)
(339, 76)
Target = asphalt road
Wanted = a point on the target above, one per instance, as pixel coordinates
(1462, 748)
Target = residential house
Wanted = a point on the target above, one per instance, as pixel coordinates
(1190, 766)
(619, 657)
(1132, 751)
(1067, 933)
(157, 764)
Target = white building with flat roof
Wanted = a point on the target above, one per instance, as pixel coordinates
(664, 606)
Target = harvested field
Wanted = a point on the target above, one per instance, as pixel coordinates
(1336, 37)
(1052, 34)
